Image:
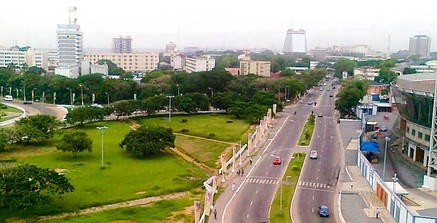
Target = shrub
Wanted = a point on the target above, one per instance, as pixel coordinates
(307, 135)
(229, 121)
(185, 130)
(294, 167)
(211, 134)
(184, 120)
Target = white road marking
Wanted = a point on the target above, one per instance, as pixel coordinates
(252, 203)
(247, 216)
(317, 178)
(318, 170)
(267, 172)
(312, 209)
(318, 136)
(256, 192)
(313, 197)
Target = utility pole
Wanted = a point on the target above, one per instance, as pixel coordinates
(102, 128)
(169, 107)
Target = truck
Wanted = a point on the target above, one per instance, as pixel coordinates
(9, 98)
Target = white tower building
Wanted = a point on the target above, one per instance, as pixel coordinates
(70, 49)
(295, 41)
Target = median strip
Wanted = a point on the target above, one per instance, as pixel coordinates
(307, 132)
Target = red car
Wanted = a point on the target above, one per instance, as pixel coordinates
(277, 161)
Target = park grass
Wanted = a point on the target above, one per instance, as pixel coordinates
(124, 177)
(12, 109)
(214, 126)
(293, 170)
(160, 211)
(202, 150)
(307, 132)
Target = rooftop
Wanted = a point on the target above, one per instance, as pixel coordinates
(422, 82)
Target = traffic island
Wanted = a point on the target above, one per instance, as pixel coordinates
(307, 132)
(280, 208)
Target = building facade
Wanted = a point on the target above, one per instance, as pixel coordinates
(122, 44)
(177, 61)
(87, 67)
(70, 47)
(199, 63)
(366, 73)
(414, 95)
(24, 56)
(295, 41)
(420, 45)
(138, 62)
(261, 68)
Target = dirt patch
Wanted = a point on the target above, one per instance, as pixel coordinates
(186, 215)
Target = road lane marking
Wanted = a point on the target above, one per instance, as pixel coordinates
(312, 209)
(256, 192)
(251, 203)
(247, 216)
(267, 172)
(318, 170)
(313, 197)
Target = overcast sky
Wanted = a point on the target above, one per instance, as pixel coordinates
(223, 23)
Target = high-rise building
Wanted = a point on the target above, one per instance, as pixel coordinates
(420, 45)
(170, 47)
(295, 41)
(70, 49)
(122, 44)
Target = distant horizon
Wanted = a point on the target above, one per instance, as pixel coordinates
(153, 24)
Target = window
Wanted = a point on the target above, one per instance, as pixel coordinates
(413, 132)
(408, 129)
(419, 134)
(427, 137)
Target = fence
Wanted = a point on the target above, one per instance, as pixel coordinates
(393, 203)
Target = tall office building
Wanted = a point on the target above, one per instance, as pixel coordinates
(122, 44)
(295, 41)
(420, 45)
(70, 47)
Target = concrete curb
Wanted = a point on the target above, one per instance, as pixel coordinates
(294, 194)
(14, 119)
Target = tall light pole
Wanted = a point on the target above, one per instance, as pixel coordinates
(33, 94)
(10, 91)
(107, 95)
(24, 90)
(212, 91)
(179, 93)
(385, 157)
(102, 128)
(71, 97)
(81, 93)
(2, 90)
(169, 107)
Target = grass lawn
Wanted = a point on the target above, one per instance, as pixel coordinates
(124, 178)
(214, 126)
(288, 189)
(205, 151)
(307, 133)
(11, 109)
(160, 211)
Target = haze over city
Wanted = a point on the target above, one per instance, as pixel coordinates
(222, 24)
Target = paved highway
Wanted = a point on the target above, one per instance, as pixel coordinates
(40, 108)
(319, 177)
(251, 201)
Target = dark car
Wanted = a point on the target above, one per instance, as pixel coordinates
(27, 102)
(310, 102)
(324, 211)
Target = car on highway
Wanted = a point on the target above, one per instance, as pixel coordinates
(27, 102)
(321, 89)
(324, 84)
(331, 95)
(383, 128)
(324, 211)
(310, 102)
(313, 154)
(277, 161)
(320, 115)
(333, 87)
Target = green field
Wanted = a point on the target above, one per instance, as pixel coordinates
(160, 211)
(214, 126)
(12, 109)
(205, 151)
(124, 178)
(293, 170)
(307, 132)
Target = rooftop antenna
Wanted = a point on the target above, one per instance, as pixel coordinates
(389, 42)
(72, 13)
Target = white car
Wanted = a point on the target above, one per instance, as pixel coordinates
(313, 154)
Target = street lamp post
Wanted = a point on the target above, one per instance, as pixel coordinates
(212, 91)
(385, 157)
(71, 97)
(107, 95)
(10, 90)
(169, 107)
(2, 90)
(81, 93)
(24, 91)
(102, 128)
(179, 93)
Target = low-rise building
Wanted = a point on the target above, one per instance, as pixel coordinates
(177, 61)
(87, 67)
(366, 73)
(297, 70)
(140, 62)
(20, 56)
(199, 63)
(261, 68)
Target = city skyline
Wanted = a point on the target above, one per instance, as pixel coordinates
(188, 23)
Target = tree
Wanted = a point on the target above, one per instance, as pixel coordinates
(408, 70)
(75, 142)
(148, 140)
(37, 127)
(112, 67)
(344, 65)
(27, 186)
(349, 96)
(185, 103)
(3, 139)
(83, 114)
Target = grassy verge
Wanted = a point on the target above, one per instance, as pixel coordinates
(213, 126)
(160, 211)
(125, 177)
(288, 187)
(205, 151)
(12, 109)
(307, 133)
